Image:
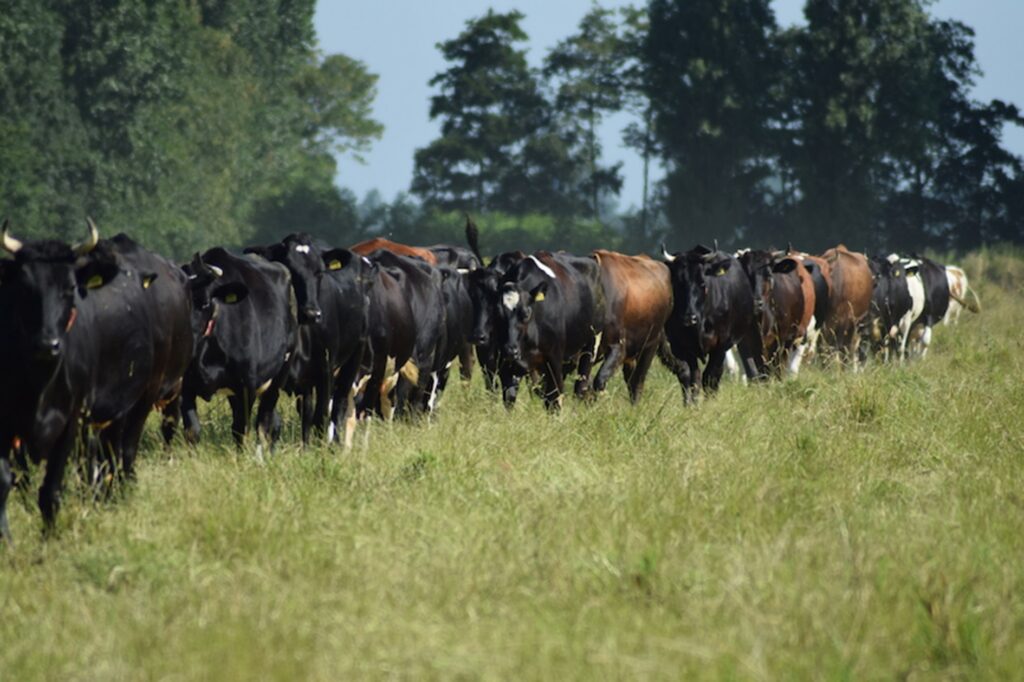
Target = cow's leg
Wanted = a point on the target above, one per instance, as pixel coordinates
(612, 361)
(268, 421)
(6, 484)
(131, 433)
(345, 388)
(554, 386)
(323, 388)
(488, 360)
(926, 340)
(713, 371)
(191, 427)
(509, 385)
(371, 403)
(466, 362)
(304, 409)
(241, 407)
(171, 413)
(636, 373)
(585, 365)
(53, 481)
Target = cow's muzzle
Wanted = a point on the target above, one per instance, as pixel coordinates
(310, 315)
(690, 320)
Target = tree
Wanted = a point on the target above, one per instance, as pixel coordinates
(489, 105)
(587, 72)
(709, 68)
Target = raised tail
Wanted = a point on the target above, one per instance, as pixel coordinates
(473, 238)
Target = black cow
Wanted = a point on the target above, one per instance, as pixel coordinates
(484, 287)
(458, 307)
(458, 257)
(936, 302)
(330, 288)
(392, 338)
(246, 332)
(890, 302)
(422, 288)
(552, 309)
(49, 350)
(713, 309)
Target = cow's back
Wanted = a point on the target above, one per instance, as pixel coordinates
(638, 298)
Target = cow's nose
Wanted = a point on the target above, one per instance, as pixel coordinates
(312, 314)
(512, 352)
(479, 339)
(50, 346)
(690, 320)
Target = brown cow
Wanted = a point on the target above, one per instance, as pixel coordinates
(365, 248)
(852, 286)
(821, 277)
(780, 307)
(638, 296)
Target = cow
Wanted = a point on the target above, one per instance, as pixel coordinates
(849, 302)
(936, 303)
(891, 303)
(49, 349)
(552, 309)
(143, 325)
(458, 306)
(369, 246)
(820, 272)
(330, 287)
(245, 327)
(781, 309)
(959, 288)
(712, 310)
(638, 299)
(421, 287)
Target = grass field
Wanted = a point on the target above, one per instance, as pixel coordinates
(843, 525)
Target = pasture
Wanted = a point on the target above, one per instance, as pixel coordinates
(840, 525)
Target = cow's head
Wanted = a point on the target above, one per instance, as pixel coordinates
(523, 290)
(691, 274)
(42, 286)
(210, 291)
(484, 286)
(306, 266)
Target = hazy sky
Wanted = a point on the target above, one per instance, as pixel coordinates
(397, 40)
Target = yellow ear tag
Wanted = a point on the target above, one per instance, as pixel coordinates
(721, 271)
(539, 297)
(897, 274)
(94, 282)
(231, 298)
(334, 265)
(146, 281)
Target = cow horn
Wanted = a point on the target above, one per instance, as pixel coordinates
(715, 243)
(89, 244)
(789, 247)
(666, 255)
(10, 243)
(217, 272)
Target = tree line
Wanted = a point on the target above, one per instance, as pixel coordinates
(192, 122)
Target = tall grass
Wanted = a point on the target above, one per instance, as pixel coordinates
(841, 525)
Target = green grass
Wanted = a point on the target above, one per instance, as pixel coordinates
(854, 526)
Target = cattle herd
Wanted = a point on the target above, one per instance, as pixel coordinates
(97, 334)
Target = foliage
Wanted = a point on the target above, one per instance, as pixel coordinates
(185, 123)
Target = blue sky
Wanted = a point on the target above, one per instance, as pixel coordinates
(397, 40)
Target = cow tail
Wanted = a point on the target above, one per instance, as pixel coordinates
(665, 355)
(973, 303)
(473, 238)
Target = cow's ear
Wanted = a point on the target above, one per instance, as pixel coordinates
(721, 267)
(338, 259)
(783, 266)
(147, 279)
(230, 292)
(537, 293)
(96, 274)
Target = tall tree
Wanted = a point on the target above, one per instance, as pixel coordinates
(709, 68)
(489, 105)
(587, 71)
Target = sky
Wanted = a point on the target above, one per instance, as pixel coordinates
(397, 39)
